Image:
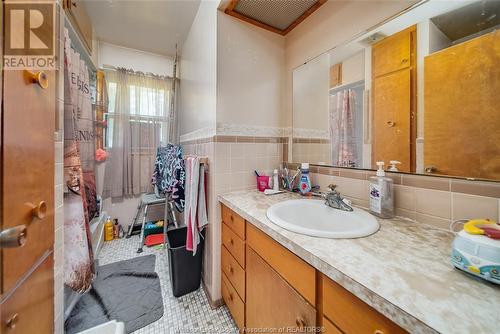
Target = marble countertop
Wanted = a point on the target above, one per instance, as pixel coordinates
(403, 270)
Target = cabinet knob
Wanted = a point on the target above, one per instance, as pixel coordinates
(12, 322)
(231, 241)
(38, 211)
(391, 124)
(404, 60)
(231, 270)
(39, 78)
(378, 331)
(231, 218)
(231, 297)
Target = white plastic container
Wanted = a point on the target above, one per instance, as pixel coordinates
(276, 182)
(381, 193)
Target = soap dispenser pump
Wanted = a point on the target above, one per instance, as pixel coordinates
(393, 165)
(381, 193)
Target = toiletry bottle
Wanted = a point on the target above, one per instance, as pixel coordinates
(108, 230)
(305, 181)
(276, 182)
(381, 194)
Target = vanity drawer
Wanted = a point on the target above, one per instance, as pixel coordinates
(351, 314)
(300, 275)
(330, 328)
(234, 272)
(233, 302)
(234, 221)
(234, 244)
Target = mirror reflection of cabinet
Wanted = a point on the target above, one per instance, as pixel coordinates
(393, 75)
(462, 101)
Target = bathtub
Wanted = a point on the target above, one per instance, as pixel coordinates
(110, 327)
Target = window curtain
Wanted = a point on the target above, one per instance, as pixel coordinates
(139, 119)
(342, 132)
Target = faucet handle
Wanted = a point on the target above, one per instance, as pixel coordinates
(332, 187)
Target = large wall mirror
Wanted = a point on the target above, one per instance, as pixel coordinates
(421, 89)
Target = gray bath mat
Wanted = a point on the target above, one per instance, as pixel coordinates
(127, 291)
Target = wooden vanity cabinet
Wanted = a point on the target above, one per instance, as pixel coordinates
(351, 314)
(233, 264)
(271, 301)
(269, 287)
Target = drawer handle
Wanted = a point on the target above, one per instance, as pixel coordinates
(230, 297)
(12, 322)
(231, 270)
(231, 241)
(231, 218)
(301, 323)
(404, 60)
(378, 331)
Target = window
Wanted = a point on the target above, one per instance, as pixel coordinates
(148, 118)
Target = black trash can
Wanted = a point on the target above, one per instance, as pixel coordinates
(185, 269)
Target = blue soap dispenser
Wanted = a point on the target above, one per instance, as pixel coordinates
(305, 181)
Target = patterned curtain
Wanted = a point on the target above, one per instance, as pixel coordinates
(78, 156)
(342, 131)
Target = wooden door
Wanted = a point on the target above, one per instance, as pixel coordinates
(394, 99)
(27, 203)
(391, 121)
(462, 117)
(271, 302)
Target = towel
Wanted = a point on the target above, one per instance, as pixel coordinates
(169, 173)
(195, 211)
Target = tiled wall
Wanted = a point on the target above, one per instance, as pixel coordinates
(427, 199)
(232, 161)
(317, 150)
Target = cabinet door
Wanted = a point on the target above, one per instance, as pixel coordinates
(462, 85)
(271, 302)
(392, 53)
(391, 118)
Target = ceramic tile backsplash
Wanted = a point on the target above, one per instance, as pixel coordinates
(431, 200)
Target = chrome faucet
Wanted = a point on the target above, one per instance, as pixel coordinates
(334, 200)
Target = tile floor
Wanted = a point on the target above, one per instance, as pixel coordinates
(189, 314)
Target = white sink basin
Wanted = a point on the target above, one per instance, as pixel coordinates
(314, 218)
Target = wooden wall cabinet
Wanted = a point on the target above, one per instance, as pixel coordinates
(394, 99)
(269, 288)
(462, 85)
(77, 14)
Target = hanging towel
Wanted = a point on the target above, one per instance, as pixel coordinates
(169, 174)
(195, 213)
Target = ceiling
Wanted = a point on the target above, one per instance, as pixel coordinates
(154, 26)
(279, 16)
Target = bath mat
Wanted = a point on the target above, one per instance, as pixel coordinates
(127, 291)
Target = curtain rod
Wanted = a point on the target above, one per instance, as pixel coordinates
(147, 74)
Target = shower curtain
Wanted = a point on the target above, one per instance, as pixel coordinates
(78, 157)
(342, 135)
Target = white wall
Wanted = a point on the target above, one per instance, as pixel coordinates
(335, 22)
(250, 74)
(137, 60)
(197, 103)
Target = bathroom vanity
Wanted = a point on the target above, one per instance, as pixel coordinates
(396, 280)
